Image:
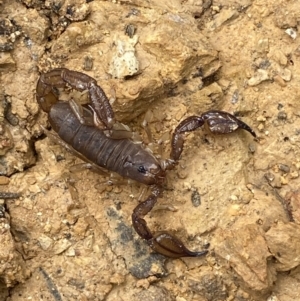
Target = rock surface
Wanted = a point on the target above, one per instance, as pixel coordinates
(70, 237)
(12, 268)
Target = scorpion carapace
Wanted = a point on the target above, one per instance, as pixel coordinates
(88, 130)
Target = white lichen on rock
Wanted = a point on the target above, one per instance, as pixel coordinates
(124, 61)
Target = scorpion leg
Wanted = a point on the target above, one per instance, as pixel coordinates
(218, 122)
(118, 130)
(88, 116)
(98, 98)
(161, 242)
(9, 195)
(82, 114)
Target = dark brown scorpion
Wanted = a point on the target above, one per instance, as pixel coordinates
(88, 131)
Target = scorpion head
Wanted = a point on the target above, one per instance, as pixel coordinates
(144, 168)
(151, 174)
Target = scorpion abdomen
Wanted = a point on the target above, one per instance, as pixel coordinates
(122, 156)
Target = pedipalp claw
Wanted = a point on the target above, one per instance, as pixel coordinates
(220, 122)
(170, 246)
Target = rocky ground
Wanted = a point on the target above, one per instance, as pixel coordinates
(69, 235)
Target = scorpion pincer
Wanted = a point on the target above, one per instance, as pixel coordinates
(88, 132)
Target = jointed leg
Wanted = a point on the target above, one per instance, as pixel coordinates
(89, 117)
(83, 115)
(98, 98)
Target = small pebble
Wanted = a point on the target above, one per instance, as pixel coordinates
(269, 176)
(117, 189)
(282, 115)
(260, 127)
(292, 33)
(196, 198)
(182, 174)
(27, 203)
(31, 180)
(45, 186)
(88, 63)
(70, 252)
(260, 76)
(286, 74)
(263, 45)
(279, 57)
(234, 210)
(279, 80)
(283, 167)
(294, 175)
(117, 278)
(47, 228)
(108, 188)
(252, 147)
(261, 118)
(215, 8)
(233, 198)
(283, 180)
(187, 185)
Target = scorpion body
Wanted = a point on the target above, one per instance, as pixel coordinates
(122, 156)
(90, 132)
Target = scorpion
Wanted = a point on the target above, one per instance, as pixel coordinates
(89, 132)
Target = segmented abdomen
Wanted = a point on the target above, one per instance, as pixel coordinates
(91, 142)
